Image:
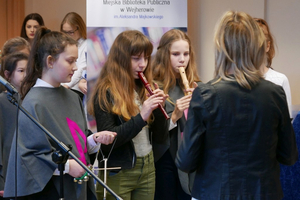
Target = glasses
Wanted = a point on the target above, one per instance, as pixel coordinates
(70, 32)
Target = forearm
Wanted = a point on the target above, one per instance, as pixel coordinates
(126, 130)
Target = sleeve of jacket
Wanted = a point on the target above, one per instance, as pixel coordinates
(159, 127)
(189, 153)
(112, 122)
(287, 152)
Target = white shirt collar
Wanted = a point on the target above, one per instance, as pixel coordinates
(40, 83)
(80, 41)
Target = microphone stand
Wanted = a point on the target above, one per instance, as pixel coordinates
(63, 153)
(60, 157)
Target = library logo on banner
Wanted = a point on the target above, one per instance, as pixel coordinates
(136, 2)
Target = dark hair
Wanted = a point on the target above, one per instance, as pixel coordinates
(76, 20)
(269, 37)
(45, 43)
(34, 16)
(9, 63)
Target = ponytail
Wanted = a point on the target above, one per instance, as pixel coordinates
(45, 43)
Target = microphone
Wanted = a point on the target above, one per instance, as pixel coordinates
(11, 89)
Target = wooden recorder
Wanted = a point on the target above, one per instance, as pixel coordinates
(184, 79)
(148, 87)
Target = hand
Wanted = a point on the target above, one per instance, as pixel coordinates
(82, 84)
(160, 93)
(149, 105)
(1, 193)
(75, 170)
(191, 89)
(181, 104)
(104, 137)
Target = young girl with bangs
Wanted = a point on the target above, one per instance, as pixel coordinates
(174, 51)
(13, 69)
(60, 111)
(121, 103)
(17, 44)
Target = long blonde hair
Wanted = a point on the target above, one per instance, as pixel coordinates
(116, 76)
(240, 48)
(163, 73)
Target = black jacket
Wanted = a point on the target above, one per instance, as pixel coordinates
(171, 142)
(235, 138)
(123, 153)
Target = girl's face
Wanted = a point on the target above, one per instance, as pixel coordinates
(62, 70)
(31, 27)
(72, 31)
(139, 64)
(179, 55)
(18, 74)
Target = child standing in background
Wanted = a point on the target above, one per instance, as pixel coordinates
(174, 51)
(13, 69)
(17, 44)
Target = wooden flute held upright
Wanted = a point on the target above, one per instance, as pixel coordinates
(149, 89)
(184, 79)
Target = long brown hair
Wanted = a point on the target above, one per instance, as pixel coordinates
(163, 73)
(9, 64)
(117, 78)
(75, 20)
(45, 43)
(270, 39)
(240, 48)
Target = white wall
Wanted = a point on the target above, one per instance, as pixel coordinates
(282, 16)
(203, 15)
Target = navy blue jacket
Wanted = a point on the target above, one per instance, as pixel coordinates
(235, 139)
